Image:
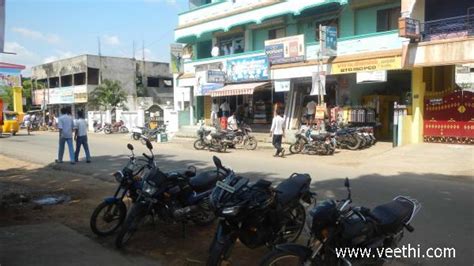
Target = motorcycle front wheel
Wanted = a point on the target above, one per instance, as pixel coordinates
(279, 257)
(123, 129)
(136, 136)
(218, 250)
(132, 223)
(199, 144)
(296, 147)
(251, 143)
(294, 225)
(107, 131)
(108, 217)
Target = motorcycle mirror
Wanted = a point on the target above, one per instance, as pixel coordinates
(148, 145)
(130, 146)
(346, 183)
(217, 162)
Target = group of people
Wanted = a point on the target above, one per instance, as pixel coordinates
(229, 120)
(67, 128)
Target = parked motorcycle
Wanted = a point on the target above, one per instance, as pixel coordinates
(97, 126)
(257, 214)
(151, 134)
(209, 140)
(109, 215)
(118, 127)
(309, 143)
(240, 137)
(171, 197)
(337, 225)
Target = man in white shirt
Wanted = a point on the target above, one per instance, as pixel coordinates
(311, 110)
(65, 126)
(225, 108)
(214, 112)
(277, 132)
(232, 123)
(27, 122)
(80, 136)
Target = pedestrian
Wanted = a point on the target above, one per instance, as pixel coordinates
(310, 111)
(277, 132)
(80, 136)
(232, 123)
(225, 108)
(214, 112)
(65, 126)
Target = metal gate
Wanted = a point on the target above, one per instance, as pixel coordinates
(449, 118)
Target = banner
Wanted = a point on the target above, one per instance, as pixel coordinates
(328, 41)
(285, 50)
(177, 63)
(2, 25)
(372, 76)
(247, 69)
(318, 83)
(282, 85)
(80, 94)
(203, 86)
(367, 65)
(215, 76)
(10, 77)
(64, 95)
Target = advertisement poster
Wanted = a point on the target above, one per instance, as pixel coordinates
(177, 51)
(10, 77)
(80, 94)
(247, 69)
(203, 86)
(63, 95)
(367, 65)
(328, 40)
(285, 50)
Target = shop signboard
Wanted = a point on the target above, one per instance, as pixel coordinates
(328, 41)
(247, 69)
(80, 94)
(210, 66)
(215, 76)
(204, 85)
(177, 61)
(40, 97)
(367, 65)
(372, 76)
(10, 77)
(282, 85)
(64, 95)
(409, 28)
(464, 76)
(285, 50)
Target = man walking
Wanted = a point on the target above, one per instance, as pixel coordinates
(80, 136)
(214, 112)
(277, 132)
(65, 126)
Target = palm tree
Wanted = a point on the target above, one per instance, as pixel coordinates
(108, 94)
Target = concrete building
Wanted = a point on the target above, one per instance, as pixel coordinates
(269, 53)
(69, 81)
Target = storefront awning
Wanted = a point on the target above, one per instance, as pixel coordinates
(238, 89)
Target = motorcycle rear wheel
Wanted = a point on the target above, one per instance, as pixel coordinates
(114, 212)
(199, 144)
(250, 143)
(123, 129)
(279, 257)
(107, 131)
(296, 223)
(136, 136)
(296, 147)
(355, 143)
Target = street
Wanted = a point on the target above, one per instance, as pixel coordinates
(377, 175)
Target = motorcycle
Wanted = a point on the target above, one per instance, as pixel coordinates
(151, 134)
(118, 127)
(97, 126)
(209, 140)
(112, 211)
(306, 142)
(171, 197)
(336, 225)
(257, 214)
(240, 137)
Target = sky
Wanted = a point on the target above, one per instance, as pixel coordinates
(41, 31)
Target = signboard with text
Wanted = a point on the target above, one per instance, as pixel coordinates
(409, 28)
(328, 41)
(177, 63)
(282, 85)
(215, 76)
(247, 69)
(62, 95)
(285, 50)
(367, 65)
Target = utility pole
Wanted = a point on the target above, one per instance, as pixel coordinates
(100, 60)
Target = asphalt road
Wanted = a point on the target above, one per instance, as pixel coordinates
(444, 186)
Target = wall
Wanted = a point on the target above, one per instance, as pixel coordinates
(442, 52)
(366, 18)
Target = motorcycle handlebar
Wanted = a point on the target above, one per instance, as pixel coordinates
(146, 156)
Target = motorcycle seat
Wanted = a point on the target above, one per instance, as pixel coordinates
(204, 181)
(292, 188)
(319, 136)
(391, 216)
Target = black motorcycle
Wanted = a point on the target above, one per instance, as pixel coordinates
(313, 144)
(240, 137)
(257, 214)
(171, 197)
(208, 140)
(109, 215)
(337, 226)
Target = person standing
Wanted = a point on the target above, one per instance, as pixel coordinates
(65, 126)
(80, 136)
(232, 123)
(311, 110)
(277, 132)
(225, 108)
(214, 112)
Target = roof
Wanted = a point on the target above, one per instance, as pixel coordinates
(13, 66)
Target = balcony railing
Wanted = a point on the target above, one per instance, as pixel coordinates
(448, 28)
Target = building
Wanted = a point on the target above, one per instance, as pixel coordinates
(69, 81)
(268, 53)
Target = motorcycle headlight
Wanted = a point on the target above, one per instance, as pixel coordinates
(118, 176)
(149, 189)
(231, 211)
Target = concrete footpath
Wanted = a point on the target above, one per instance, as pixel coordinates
(56, 244)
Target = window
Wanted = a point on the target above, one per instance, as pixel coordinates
(66, 81)
(387, 19)
(153, 82)
(92, 76)
(54, 82)
(231, 44)
(80, 78)
(276, 33)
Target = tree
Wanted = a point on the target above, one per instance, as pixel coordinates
(7, 96)
(108, 94)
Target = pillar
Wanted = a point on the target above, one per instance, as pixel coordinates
(18, 100)
(418, 95)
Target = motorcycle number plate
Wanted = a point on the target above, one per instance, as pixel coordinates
(208, 137)
(225, 187)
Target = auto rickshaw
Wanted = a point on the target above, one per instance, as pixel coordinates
(9, 123)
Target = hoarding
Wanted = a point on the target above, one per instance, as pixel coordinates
(328, 41)
(64, 95)
(10, 77)
(247, 69)
(285, 50)
(215, 76)
(409, 28)
(177, 63)
(80, 94)
(375, 64)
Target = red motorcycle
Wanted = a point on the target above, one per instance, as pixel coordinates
(117, 127)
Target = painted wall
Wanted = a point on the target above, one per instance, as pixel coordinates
(366, 18)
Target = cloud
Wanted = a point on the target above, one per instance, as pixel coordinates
(59, 55)
(36, 35)
(170, 2)
(22, 56)
(111, 40)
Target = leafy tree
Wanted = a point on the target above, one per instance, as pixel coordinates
(7, 96)
(109, 94)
